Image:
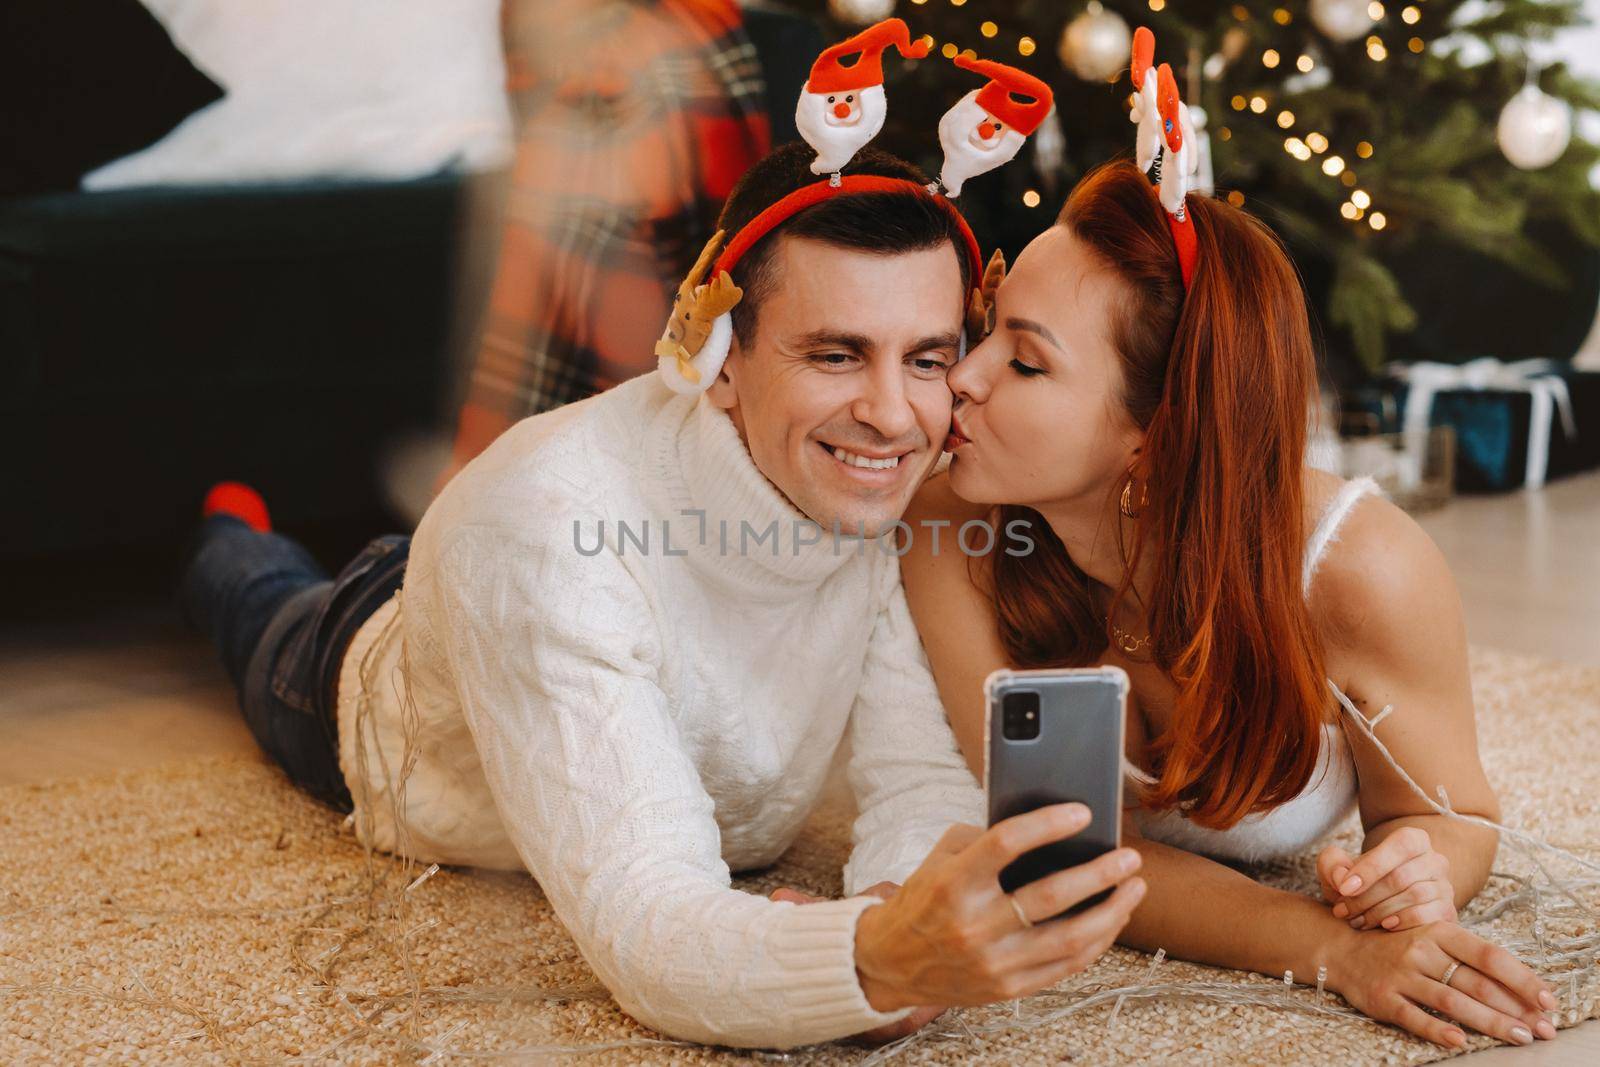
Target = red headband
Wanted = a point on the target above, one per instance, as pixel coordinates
(1188, 247)
(816, 192)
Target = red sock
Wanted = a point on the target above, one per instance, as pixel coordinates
(240, 501)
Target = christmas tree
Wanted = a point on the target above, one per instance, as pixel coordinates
(1372, 135)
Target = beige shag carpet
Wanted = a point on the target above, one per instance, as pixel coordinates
(183, 915)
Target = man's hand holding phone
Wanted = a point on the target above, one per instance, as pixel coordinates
(952, 936)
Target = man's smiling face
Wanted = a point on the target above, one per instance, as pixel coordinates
(840, 396)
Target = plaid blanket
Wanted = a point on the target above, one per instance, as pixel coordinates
(634, 119)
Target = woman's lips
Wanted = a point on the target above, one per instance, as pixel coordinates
(956, 438)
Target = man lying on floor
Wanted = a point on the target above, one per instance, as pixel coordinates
(632, 714)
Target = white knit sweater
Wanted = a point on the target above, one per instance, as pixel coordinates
(631, 725)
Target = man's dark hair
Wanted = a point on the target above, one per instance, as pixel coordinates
(887, 223)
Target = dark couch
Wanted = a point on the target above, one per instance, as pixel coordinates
(153, 340)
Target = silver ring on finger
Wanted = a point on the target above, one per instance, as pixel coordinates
(1449, 972)
(1022, 916)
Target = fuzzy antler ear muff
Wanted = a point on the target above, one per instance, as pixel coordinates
(980, 308)
(699, 332)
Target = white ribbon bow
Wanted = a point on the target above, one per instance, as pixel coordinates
(1539, 378)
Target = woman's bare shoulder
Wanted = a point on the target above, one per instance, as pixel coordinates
(937, 500)
(931, 555)
(1382, 584)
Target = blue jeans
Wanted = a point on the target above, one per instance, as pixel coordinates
(282, 627)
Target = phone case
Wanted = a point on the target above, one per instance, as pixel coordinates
(1076, 756)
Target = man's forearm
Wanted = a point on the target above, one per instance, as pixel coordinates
(1470, 849)
(1202, 911)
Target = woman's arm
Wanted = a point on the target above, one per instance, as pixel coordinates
(1391, 621)
(1202, 911)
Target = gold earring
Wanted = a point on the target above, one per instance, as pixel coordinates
(1127, 505)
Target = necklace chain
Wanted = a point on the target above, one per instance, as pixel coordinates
(1125, 640)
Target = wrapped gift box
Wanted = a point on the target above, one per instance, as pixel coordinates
(1516, 424)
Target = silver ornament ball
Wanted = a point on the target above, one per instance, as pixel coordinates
(1095, 45)
(1341, 20)
(861, 12)
(1534, 128)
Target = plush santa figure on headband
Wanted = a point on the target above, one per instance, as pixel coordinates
(1163, 122)
(987, 126)
(842, 105)
(1146, 113)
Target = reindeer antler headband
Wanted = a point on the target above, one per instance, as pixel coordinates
(1165, 141)
(841, 108)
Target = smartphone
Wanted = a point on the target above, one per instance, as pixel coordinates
(1056, 736)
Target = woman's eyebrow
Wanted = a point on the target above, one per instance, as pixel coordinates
(1033, 327)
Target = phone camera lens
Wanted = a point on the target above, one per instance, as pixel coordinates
(1019, 715)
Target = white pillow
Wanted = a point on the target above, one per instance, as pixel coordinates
(387, 89)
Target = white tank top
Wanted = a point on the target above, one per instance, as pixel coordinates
(1329, 796)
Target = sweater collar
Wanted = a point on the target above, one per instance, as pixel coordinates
(706, 467)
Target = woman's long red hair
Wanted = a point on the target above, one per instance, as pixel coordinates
(1219, 379)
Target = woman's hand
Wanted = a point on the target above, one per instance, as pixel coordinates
(951, 935)
(1399, 885)
(1394, 978)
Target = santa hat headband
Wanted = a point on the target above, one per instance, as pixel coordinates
(1164, 144)
(840, 110)
(829, 74)
(1012, 96)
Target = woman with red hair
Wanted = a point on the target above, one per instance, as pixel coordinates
(1152, 436)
